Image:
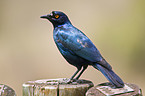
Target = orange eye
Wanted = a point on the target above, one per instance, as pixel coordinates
(56, 16)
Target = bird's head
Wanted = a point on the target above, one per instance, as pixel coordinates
(56, 18)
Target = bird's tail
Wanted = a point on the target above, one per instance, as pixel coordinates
(110, 75)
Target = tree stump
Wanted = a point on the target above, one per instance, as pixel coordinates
(56, 87)
(104, 90)
(6, 91)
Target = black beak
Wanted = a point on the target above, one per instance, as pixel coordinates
(44, 16)
(48, 16)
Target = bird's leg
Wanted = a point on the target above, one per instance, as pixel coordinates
(71, 79)
(78, 69)
(84, 68)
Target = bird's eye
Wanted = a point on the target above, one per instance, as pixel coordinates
(56, 16)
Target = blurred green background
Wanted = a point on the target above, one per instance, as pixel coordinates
(28, 52)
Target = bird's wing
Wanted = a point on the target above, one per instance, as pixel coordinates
(88, 50)
(80, 44)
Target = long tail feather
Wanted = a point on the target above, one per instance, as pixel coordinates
(110, 75)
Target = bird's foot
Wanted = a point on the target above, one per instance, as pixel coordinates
(64, 81)
(71, 81)
(67, 81)
(74, 80)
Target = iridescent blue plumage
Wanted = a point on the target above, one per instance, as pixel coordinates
(78, 49)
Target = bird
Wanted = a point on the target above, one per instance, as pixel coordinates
(78, 49)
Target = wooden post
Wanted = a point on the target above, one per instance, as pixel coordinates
(104, 90)
(56, 87)
(6, 91)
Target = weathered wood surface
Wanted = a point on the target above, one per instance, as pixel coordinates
(56, 87)
(6, 91)
(130, 90)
